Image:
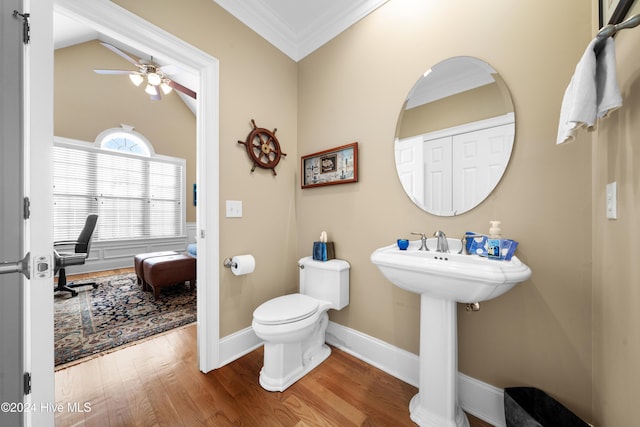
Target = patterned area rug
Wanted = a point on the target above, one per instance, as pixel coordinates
(118, 312)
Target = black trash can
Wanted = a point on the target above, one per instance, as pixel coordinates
(530, 407)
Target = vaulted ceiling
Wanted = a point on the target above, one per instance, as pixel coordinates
(296, 27)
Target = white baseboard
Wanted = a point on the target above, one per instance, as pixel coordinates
(238, 344)
(393, 360)
(480, 399)
(476, 397)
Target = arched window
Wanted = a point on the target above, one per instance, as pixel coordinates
(136, 193)
(124, 139)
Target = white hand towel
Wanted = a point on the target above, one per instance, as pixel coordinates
(592, 93)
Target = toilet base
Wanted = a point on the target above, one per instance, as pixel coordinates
(282, 383)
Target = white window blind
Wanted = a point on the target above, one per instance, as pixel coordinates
(135, 197)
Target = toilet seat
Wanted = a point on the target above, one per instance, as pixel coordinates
(286, 309)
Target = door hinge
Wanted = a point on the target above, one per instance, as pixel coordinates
(26, 26)
(27, 383)
(26, 205)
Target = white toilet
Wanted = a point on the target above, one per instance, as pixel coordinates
(293, 326)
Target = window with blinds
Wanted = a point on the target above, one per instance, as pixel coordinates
(135, 197)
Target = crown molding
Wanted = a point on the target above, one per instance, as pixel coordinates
(316, 30)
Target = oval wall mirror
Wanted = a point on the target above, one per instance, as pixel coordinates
(454, 136)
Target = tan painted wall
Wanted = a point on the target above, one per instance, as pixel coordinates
(616, 270)
(473, 105)
(85, 104)
(352, 89)
(551, 198)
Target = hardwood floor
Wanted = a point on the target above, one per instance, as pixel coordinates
(157, 383)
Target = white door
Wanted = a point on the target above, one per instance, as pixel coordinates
(438, 184)
(26, 114)
(479, 159)
(409, 157)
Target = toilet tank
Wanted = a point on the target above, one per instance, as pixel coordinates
(325, 280)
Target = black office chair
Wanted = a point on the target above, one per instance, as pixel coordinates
(80, 253)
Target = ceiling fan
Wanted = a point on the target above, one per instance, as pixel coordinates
(155, 75)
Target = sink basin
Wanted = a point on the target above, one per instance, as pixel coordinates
(443, 280)
(450, 276)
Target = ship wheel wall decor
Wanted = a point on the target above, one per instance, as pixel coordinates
(263, 148)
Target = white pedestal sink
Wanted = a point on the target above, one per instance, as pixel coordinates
(443, 280)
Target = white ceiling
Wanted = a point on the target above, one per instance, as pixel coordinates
(296, 27)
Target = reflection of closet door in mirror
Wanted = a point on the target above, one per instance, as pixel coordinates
(438, 183)
(479, 159)
(409, 156)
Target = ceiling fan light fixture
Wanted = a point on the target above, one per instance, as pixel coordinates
(151, 90)
(136, 79)
(153, 79)
(166, 89)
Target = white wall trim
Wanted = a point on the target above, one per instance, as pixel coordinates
(119, 254)
(393, 360)
(238, 344)
(480, 399)
(477, 398)
(298, 43)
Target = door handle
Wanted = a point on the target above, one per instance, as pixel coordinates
(21, 266)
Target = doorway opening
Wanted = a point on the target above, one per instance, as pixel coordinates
(117, 25)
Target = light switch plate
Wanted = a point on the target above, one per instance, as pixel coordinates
(234, 208)
(612, 201)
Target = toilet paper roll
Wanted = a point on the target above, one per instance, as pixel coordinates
(243, 264)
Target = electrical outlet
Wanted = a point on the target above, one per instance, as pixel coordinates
(612, 201)
(234, 208)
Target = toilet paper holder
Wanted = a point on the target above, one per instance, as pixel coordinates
(241, 264)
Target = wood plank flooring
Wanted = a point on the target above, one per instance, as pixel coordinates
(157, 383)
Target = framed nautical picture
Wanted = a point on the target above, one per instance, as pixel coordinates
(334, 166)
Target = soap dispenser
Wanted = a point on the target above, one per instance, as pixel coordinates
(494, 240)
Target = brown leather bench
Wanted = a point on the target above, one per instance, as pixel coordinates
(139, 259)
(163, 271)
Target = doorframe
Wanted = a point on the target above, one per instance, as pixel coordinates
(38, 137)
(119, 24)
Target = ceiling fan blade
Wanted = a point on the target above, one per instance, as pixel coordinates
(120, 53)
(179, 87)
(156, 97)
(114, 71)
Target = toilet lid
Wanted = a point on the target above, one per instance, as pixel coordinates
(285, 309)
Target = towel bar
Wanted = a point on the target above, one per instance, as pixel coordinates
(611, 29)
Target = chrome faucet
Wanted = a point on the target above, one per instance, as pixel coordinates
(464, 241)
(443, 244)
(423, 237)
